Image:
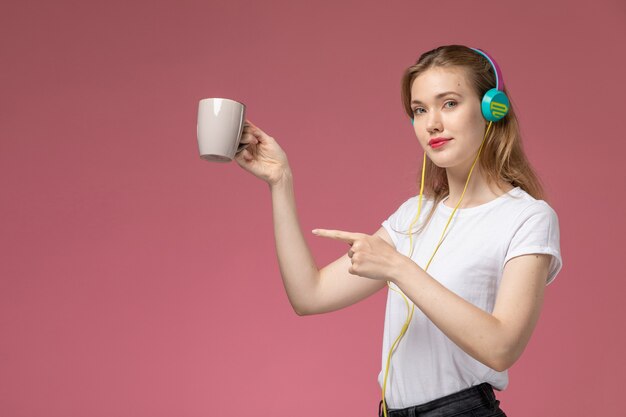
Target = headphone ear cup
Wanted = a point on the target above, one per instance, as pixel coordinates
(495, 105)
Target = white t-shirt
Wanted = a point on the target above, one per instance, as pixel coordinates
(479, 240)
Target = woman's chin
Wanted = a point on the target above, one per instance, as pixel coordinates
(442, 161)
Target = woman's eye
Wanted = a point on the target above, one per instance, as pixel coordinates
(417, 109)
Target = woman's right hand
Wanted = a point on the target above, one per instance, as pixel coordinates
(260, 154)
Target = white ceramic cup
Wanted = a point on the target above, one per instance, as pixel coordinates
(220, 124)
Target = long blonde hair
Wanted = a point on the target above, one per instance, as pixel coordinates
(502, 156)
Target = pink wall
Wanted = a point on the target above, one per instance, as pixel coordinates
(138, 280)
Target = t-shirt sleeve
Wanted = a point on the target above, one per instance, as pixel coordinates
(397, 225)
(394, 223)
(537, 231)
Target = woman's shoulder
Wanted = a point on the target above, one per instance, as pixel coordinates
(412, 203)
(406, 212)
(523, 205)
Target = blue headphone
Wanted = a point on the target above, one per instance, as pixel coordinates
(495, 104)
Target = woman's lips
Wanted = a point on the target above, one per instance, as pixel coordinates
(439, 144)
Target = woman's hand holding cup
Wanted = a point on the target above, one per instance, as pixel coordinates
(261, 155)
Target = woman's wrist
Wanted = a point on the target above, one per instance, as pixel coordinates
(286, 178)
(405, 268)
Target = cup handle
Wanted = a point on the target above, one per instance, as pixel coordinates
(241, 147)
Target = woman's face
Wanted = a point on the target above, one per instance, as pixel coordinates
(445, 106)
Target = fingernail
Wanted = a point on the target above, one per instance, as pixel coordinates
(315, 231)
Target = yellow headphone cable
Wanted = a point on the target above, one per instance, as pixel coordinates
(419, 209)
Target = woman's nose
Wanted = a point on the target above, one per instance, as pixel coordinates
(434, 122)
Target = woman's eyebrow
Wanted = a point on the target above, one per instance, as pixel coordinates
(438, 96)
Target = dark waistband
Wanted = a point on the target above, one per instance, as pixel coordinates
(475, 396)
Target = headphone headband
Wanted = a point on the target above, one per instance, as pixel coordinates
(496, 68)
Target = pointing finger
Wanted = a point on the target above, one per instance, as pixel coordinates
(347, 237)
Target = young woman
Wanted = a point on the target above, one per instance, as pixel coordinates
(480, 210)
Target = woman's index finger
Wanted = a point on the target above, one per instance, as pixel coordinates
(347, 237)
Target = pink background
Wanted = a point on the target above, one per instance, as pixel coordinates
(138, 280)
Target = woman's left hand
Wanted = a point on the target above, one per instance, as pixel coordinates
(372, 257)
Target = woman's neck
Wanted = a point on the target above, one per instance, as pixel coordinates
(479, 190)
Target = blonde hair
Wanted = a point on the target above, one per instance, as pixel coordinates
(502, 156)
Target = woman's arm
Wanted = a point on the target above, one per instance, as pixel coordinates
(311, 290)
(297, 266)
(496, 340)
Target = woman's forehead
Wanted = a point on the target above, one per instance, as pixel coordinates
(437, 80)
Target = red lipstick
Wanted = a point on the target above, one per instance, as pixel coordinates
(437, 142)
